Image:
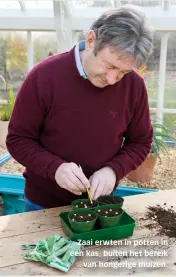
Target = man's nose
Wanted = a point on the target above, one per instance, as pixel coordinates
(112, 77)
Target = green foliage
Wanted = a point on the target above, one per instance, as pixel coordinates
(160, 134)
(7, 109)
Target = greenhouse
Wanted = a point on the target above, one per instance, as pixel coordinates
(34, 33)
(62, 23)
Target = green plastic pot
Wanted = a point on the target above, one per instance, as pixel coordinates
(81, 227)
(102, 200)
(85, 201)
(109, 221)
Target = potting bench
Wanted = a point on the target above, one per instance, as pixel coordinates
(29, 228)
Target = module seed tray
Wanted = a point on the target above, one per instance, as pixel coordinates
(124, 229)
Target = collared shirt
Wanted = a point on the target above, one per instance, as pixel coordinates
(79, 47)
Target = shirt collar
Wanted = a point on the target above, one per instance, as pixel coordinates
(80, 47)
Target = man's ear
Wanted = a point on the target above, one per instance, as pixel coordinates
(90, 40)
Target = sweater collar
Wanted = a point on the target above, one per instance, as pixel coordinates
(80, 47)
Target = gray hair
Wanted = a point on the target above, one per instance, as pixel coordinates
(125, 29)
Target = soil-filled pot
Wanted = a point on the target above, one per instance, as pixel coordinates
(84, 204)
(82, 220)
(109, 215)
(110, 199)
(144, 172)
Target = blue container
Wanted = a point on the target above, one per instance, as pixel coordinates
(13, 204)
(12, 184)
(12, 191)
(129, 191)
(4, 158)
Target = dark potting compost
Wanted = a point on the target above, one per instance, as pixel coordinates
(165, 218)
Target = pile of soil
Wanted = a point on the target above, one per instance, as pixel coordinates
(165, 218)
(81, 217)
(110, 200)
(109, 212)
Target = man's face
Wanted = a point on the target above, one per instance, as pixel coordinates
(107, 67)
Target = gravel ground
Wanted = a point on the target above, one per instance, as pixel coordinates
(2, 150)
(164, 173)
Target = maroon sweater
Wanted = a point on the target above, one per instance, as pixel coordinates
(61, 117)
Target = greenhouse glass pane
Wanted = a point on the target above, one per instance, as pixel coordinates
(170, 82)
(152, 71)
(144, 3)
(169, 121)
(173, 2)
(38, 4)
(83, 3)
(45, 44)
(13, 59)
(93, 3)
(9, 5)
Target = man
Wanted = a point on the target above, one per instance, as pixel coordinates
(81, 118)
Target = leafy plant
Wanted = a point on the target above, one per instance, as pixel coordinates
(7, 108)
(160, 133)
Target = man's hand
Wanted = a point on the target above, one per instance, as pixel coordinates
(69, 176)
(102, 182)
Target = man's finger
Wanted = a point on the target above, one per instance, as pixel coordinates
(99, 190)
(80, 175)
(77, 183)
(106, 190)
(72, 188)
